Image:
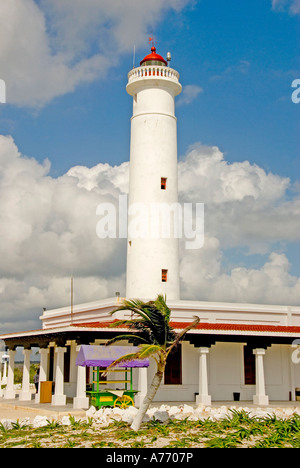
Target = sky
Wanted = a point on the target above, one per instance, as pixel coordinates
(65, 139)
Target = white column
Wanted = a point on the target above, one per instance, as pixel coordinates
(73, 368)
(59, 399)
(294, 360)
(44, 352)
(142, 386)
(25, 394)
(203, 396)
(9, 392)
(81, 400)
(4, 378)
(260, 398)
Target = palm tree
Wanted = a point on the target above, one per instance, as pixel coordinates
(150, 324)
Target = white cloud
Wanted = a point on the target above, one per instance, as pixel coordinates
(244, 205)
(205, 174)
(93, 178)
(202, 279)
(49, 224)
(245, 208)
(292, 6)
(50, 47)
(189, 94)
(242, 67)
(48, 233)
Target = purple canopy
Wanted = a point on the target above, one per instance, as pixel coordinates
(103, 356)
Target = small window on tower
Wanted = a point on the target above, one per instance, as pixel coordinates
(164, 276)
(163, 183)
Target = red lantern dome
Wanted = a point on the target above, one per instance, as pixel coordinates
(153, 59)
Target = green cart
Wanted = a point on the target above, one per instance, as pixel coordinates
(121, 398)
(101, 358)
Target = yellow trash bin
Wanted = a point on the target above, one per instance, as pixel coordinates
(45, 392)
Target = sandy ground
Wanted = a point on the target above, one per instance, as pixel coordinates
(15, 409)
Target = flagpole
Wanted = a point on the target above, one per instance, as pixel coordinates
(72, 292)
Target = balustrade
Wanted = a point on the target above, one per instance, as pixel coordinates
(153, 71)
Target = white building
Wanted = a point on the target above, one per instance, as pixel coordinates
(248, 349)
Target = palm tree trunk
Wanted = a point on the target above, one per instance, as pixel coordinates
(147, 400)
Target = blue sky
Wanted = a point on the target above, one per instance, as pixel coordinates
(65, 65)
(244, 55)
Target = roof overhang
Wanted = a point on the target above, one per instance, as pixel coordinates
(204, 334)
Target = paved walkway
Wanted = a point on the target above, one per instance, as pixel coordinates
(15, 409)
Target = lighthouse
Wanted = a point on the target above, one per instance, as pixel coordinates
(152, 249)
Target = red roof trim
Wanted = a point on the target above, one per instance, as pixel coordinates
(95, 324)
(239, 327)
(210, 326)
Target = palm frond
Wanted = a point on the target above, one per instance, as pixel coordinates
(120, 360)
(126, 322)
(153, 319)
(161, 305)
(181, 334)
(130, 304)
(189, 327)
(129, 337)
(137, 307)
(159, 314)
(148, 350)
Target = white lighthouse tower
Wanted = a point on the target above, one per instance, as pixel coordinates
(152, 251)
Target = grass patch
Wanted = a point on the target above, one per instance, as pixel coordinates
(234, 431)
